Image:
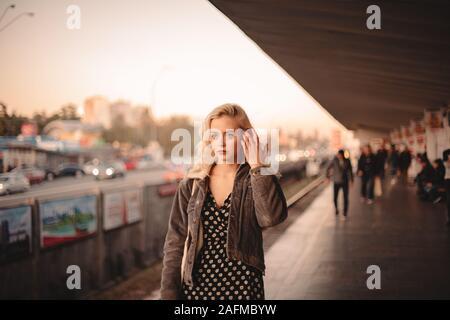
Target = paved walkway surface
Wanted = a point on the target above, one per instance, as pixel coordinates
(321, 256)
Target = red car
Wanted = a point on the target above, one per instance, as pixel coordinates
(130, 164)
(32, 173)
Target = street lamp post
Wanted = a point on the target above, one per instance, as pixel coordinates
(12, 6)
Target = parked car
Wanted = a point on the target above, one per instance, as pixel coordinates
(32, 173)
(109, 170)
(13, 182)
(70, 169)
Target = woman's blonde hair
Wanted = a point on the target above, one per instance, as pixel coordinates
(201, 169)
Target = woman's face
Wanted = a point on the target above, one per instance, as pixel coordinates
(224, 138)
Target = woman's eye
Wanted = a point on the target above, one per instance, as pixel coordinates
(230, 135)
(214, 136)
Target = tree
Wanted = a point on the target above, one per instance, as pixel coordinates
(68, 112)
(167, 126)
(10, 124)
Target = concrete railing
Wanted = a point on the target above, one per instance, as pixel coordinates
(42, 237)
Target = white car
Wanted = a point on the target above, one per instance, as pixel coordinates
(13, 182)
(109, 170)
(32, 173)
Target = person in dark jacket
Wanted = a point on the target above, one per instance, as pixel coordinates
(439, 172)
(367, 170)
(446, 158)
(341, 170)
(404, 162)
(380, 160)
(424, 179)
(437, 186)
(393, 160)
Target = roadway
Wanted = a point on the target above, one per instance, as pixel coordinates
(71, 185)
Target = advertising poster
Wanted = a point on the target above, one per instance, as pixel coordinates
(418, 131)
(66, 220)
(433, 119)
(434, 133)
(133, 205)
(395, 136)
(446, 144)
(15, 232)
(113, 211)
(121, 208)
(407, 137)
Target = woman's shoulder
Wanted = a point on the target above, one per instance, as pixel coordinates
(186, 183)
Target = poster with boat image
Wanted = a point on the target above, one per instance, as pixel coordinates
(68, 219)
(15, 232)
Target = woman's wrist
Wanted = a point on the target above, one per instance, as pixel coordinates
(255, 169)
(256, 165)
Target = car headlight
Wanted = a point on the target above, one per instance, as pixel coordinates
(109, 171)
(95, 172)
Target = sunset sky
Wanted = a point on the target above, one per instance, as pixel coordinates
(180, 56)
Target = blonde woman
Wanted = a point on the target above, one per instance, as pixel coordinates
(214, 247)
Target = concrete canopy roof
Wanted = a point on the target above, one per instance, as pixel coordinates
(367, 79)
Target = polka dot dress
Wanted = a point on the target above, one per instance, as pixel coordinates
(215, 277)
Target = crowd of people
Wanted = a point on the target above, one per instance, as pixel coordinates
(372, 168)
(432, 180)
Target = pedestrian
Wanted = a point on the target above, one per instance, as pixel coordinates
(367, 170)
(341, 170)
(404, 162)
(425, 177)
(393, 159)
(214, 246)
(381, 157)
(446, 158)
(380, 164)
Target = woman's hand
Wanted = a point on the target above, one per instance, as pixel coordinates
(250, 144)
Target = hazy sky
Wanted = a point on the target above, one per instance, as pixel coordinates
(180, 56)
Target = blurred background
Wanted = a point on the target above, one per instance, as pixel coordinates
(90, 93)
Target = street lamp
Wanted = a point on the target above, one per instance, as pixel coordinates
(11, 6)
(29, 14)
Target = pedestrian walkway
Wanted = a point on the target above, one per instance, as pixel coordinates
(321, 256)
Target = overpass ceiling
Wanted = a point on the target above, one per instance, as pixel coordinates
(371, 79)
